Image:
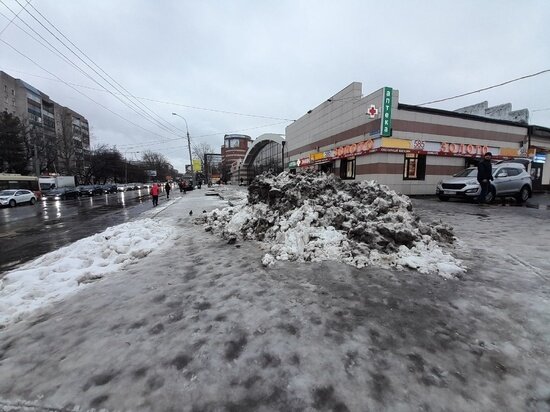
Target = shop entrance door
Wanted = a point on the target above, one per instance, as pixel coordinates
(325, 167)
(536, 176)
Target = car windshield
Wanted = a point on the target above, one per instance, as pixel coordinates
(55, 191)
(7, 192)
(470, 172)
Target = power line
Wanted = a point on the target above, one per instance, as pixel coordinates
(78, 91)
(14, 17)
(164, 122)
(69, 61)
(166, 102)
(486, 88)
(154, 143)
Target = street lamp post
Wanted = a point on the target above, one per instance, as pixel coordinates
(189, 147)
(283, 155)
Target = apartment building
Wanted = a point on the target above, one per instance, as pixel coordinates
(61, 134)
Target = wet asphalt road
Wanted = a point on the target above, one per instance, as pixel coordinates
(27, 232)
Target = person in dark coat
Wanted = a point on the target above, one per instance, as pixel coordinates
(484, 176)
(167, 187)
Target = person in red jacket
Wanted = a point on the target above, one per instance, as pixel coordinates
(155, 193)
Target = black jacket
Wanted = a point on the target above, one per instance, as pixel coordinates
(484, 171)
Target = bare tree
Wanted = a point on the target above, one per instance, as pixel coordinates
(41, 147)
(13, 157)
(199, 150)
(104, 163)
(159, 163)
(66, 146)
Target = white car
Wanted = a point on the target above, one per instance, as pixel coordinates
(510, 179)
(14, 197)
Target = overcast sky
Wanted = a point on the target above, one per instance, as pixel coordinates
(273, 59)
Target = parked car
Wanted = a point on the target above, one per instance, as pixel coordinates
(90, 190)
(123, 188)
(510, 180)
(14, 197)
(109, 188)
(61, 194)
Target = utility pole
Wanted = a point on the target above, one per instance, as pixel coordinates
(189, 147)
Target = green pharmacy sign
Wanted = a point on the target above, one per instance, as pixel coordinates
(386, 111)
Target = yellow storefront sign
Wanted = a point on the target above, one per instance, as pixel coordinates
(388, 142)
(508, 151)
(317, 156)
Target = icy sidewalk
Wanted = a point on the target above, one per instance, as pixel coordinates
(200, 324)
(63, 272)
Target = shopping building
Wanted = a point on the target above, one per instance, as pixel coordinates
(264, 155)
(409, 148)
(61, 134)
(233, 152)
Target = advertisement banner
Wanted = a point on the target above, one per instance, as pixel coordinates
(197, 165)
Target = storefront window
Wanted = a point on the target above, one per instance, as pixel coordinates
(325, 167)
(347, 168)
(415, 167)
(268, 159)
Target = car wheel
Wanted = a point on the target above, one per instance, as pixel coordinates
(443, 198)
(33, 200)
(12, 203)
(523, 194)
(490, 196)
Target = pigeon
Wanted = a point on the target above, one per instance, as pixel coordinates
(190, 213)
(204, 211)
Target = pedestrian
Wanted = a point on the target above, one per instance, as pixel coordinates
(180, 184)
(242, 180)
(484, 176)
(167, 187)
(155, 193)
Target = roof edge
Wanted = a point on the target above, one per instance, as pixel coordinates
(413, 108)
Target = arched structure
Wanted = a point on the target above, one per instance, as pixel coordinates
(265, 154)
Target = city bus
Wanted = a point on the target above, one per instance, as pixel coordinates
(15, 181)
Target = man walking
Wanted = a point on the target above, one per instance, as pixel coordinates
(484, 176)
(167, 187)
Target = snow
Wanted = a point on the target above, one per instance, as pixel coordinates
(205, 325)
(56, 275)
(313, 218)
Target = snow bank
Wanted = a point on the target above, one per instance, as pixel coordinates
(60, 273)
(315, 217)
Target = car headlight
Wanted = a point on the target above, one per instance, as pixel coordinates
(472, 182)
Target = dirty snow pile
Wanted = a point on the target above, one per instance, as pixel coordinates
(315, 217)
(57, 274)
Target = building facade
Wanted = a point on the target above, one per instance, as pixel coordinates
(233, 152)
(409, 148)
(264, 155)
(59, 136)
